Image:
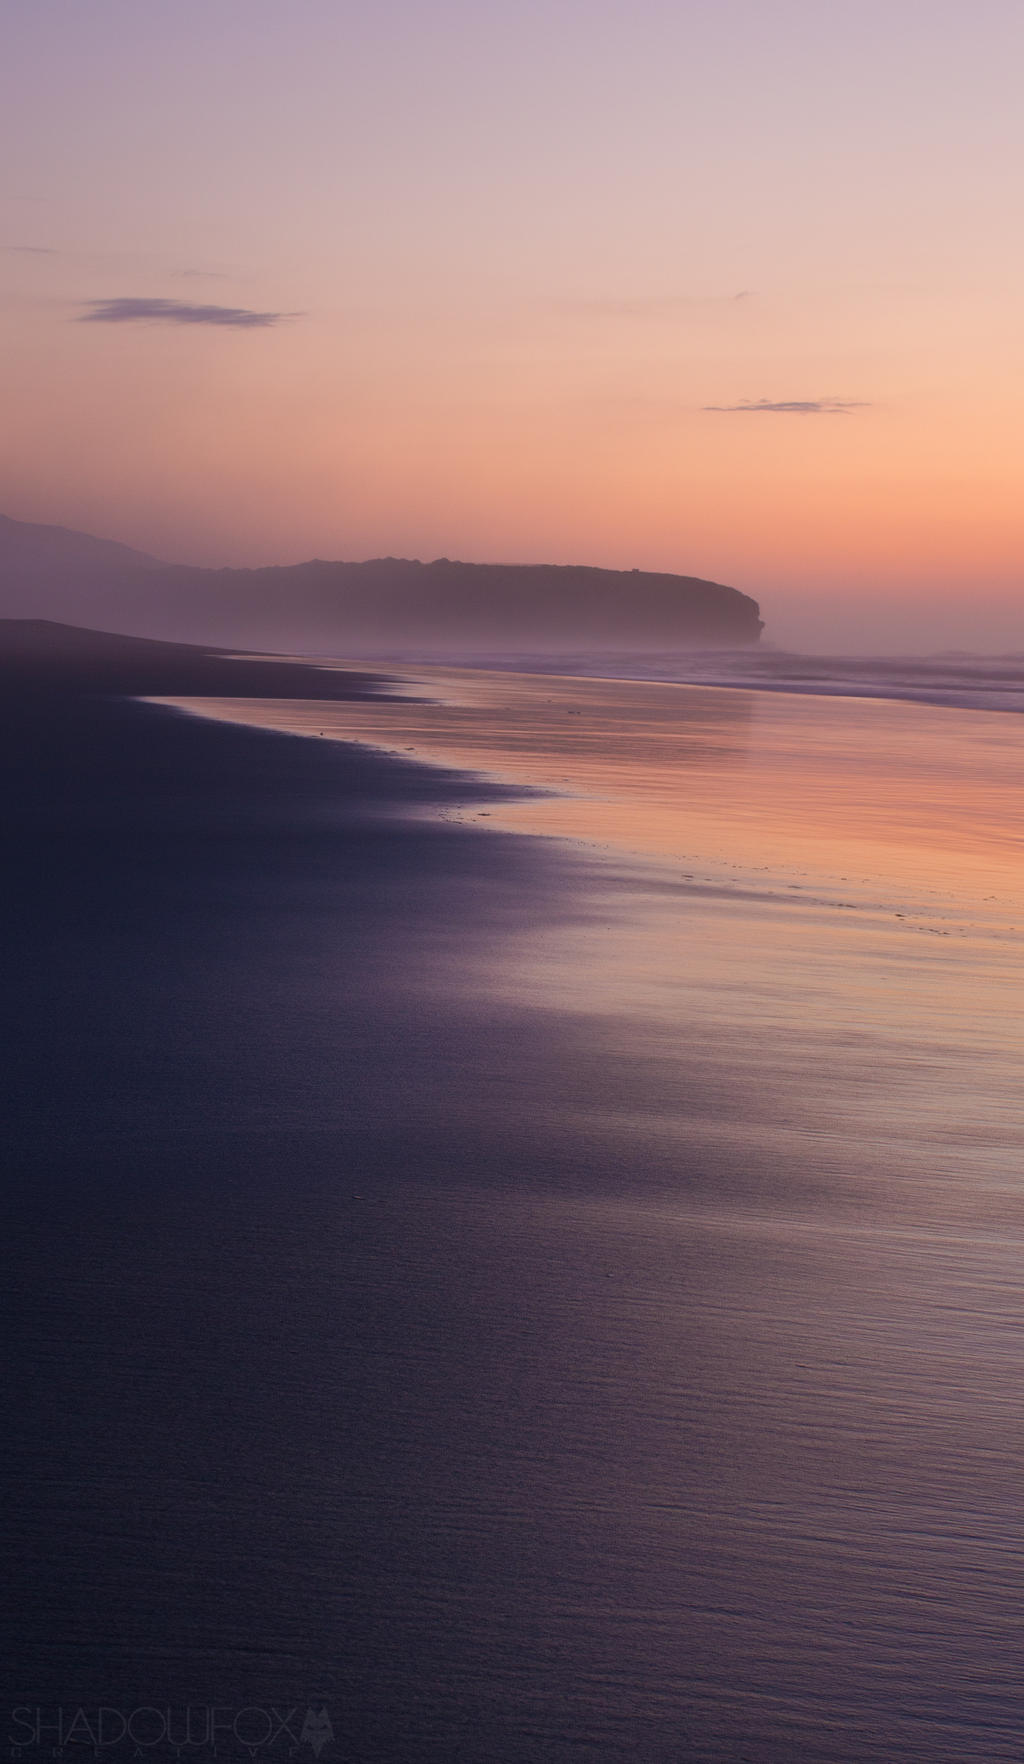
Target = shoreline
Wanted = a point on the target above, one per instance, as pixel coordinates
(976, 683)
(500, 1301)
(232, 960)
(869, 806)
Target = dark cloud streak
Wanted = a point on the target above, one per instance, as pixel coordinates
(792, 406)
(133, 310)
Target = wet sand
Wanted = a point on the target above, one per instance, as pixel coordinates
(536, 1304)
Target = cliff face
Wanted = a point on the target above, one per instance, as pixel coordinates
(389, 603)
(392, 602)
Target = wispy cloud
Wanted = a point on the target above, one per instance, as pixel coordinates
(132, 310)
(30, 250)
(793, 406)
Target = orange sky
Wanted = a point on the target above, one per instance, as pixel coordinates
(504, 264)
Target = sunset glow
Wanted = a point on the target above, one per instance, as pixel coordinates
(704, 288)
(512, 741)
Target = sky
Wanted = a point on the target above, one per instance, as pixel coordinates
(731, 288)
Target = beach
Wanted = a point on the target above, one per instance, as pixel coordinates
(526, 1258)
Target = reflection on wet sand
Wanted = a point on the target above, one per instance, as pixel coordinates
(825, 892)
(905, 810)
(740, 1225)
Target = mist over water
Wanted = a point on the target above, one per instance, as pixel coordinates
(960, 678)
(584, 616)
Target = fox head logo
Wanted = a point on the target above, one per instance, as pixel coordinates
(317, 1730)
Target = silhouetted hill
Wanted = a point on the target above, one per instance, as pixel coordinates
(386, 604)
(33, 556)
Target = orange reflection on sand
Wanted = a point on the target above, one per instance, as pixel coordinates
(873, 804)
(821, 895)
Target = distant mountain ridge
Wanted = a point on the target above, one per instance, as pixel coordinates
(363, 608)
(28, 551)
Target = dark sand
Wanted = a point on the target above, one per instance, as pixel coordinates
(256, 1365)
